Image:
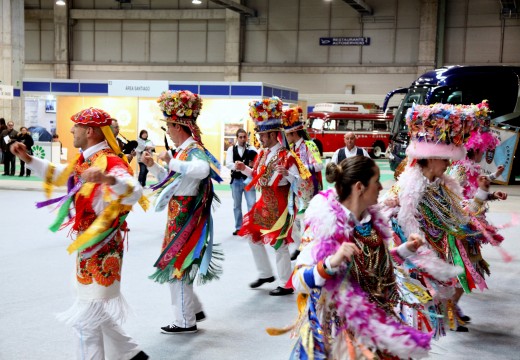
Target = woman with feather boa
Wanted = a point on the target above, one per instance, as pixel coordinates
(345, 275)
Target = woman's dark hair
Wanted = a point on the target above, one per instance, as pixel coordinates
(348, 172)
(422, 163)
(141, 133)
(470, 154)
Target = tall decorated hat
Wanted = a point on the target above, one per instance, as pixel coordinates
(267, 114)
(92, 117)
(292, 119)
(439, 131)
(181, 107)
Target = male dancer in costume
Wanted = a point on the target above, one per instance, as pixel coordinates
(187, 190)
(101, 190)
(307, 152)
(270, 220)
(241, 151)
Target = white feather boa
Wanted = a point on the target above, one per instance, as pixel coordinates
(412, 185)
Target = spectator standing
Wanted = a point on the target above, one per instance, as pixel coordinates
(349, 150)
(25, 138)
(3, 126)
(143, 144)
(7, 138)
(245, 153)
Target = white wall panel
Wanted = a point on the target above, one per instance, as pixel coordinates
(83, 44)
(281, 47)
(483, 45)
(454, 46)
(455, 13)
(135, 46)
(108, 25)
(163, 46)
(407, 46)
(193, 25)
(164, 4)
(255, 47)
(313, 15)
(47, 45)
(283, 15)
(407, 14)
(381, 48)
(32, 45)
(483, 13)
(107, 46)
(512, 44)
(192, 46)
(309, 49)
(216, 46)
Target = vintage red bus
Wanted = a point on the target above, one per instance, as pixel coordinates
(328, 123)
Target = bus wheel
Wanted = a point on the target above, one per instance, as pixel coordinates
(378, 150)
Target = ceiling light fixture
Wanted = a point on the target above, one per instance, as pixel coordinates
(60, 2)
(196, 2)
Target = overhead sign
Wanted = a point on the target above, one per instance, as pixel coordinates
(139, 88)
(344, 41)
(6, 92)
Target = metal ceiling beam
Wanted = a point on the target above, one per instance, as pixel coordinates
(360, 6)
(231, 5)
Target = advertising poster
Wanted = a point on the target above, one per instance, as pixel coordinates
(502, 155)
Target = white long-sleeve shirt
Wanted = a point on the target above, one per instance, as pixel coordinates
(348, 153)
(230, 164)
(191, 172)
(122, 177)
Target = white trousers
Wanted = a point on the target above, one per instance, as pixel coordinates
(107, 341)
(297, 230)
(185, 304)
(283, 262)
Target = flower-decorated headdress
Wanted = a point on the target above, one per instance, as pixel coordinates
(92, 117)
(439, 131)
(182, 107)
(292, 119)
(100, 118)
(267, 114)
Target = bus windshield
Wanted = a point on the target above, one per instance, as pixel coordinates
(414, 96)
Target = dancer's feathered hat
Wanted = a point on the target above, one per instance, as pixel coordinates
(182, 107)
(267, 114)
(292, 119)
(439, 131)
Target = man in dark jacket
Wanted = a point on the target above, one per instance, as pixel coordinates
(7, 137)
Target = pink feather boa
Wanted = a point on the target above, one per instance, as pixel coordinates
(371, 325)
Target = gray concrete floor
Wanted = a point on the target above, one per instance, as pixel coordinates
(36, 282)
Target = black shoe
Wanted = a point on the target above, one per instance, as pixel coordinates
(21, 175)
(200, 316)
(141, 355)
(260, 282)
(461, 328)
(235, 232)
(5, 174)
(465, 318)
(280, 291)
(174, 329)
(295, 255)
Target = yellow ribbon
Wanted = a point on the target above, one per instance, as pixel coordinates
(302, 169)
(103, 222)
(61, 180)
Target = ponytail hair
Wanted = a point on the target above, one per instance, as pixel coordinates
(348, 172)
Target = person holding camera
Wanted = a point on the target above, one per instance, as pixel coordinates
(143, 144)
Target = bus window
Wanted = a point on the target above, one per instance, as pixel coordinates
(380, 126)
(330, 125)
(317, 123)
(344, 125)
(368, 125)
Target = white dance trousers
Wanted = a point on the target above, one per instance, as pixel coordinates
(283, 262)
(185, 304)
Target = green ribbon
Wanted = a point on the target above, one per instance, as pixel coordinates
(457, 260)
(62, 214)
